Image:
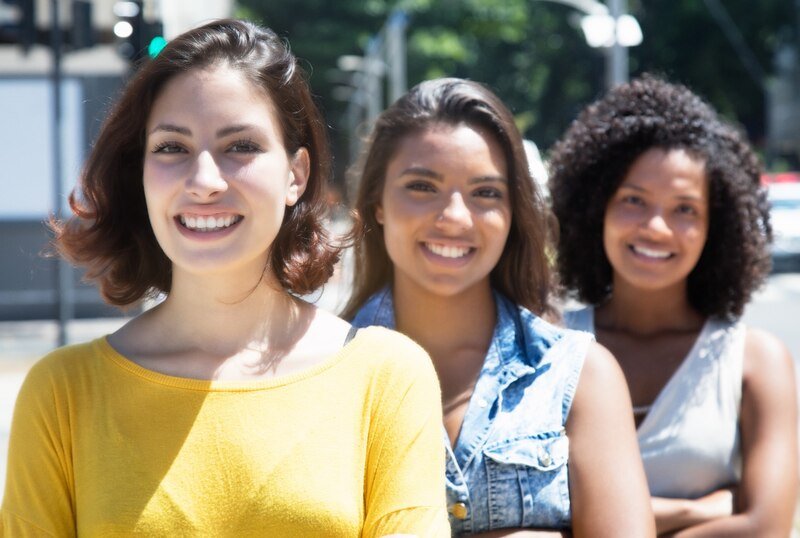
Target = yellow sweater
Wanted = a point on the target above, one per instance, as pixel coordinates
(353, 447)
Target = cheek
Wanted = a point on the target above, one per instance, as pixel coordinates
(698, 235)
(609, 226)
(399, 212)
(157, 179)
(152, 192)
(500, 224)
(395, 240)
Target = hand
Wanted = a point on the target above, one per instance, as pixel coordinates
(720, 503)
(676, 514)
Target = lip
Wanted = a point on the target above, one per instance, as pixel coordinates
(206, 210)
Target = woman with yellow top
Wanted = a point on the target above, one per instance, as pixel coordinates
(232, 408)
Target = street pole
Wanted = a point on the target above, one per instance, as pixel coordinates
(617, 60)
(396, 54)
(373, 71)
(63, 273)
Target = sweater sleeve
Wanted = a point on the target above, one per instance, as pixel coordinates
(405, 486)
(38, 498)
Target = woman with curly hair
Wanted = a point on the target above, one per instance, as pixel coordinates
(664, 232)
(539, 437)
(232, 408)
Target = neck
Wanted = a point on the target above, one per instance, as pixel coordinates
(444, 325)
(646, 312)
(221, 315)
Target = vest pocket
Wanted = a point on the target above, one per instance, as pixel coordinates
(528, 482)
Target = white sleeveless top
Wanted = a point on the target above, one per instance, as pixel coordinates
(689, 439)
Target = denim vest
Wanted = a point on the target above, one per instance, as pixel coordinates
(509, 465)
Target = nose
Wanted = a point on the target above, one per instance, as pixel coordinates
(655, 223)
(455, 213)
(206, 180)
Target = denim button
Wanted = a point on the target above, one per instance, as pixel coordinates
(459, 510)
(482, 403)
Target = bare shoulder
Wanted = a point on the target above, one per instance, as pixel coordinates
(601, 382)
(325, 323)
(601, 366)
(765, 351)
(324, 334)
(768, 376)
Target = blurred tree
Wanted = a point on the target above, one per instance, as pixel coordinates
(534, 55)
(684, 41)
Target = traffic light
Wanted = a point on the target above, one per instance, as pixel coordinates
(138, 37)
(158, 41)
(81, 35)
(128, 28)
(19, 23)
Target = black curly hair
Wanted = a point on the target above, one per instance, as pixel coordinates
(589, 162)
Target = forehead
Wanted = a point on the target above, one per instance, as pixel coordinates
(450, 144)
(659, 168)
(217, 88)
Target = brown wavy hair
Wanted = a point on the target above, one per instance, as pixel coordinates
(592, 158)
(522, 273)
(110, 234)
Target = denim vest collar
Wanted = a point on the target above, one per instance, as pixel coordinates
(518, 357)
(518, 345)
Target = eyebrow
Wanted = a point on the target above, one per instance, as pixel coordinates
(428, 173)
(225, 131)
(640, 189)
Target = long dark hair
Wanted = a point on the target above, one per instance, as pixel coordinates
(522, 273)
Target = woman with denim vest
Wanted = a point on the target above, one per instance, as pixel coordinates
(537, 419)
(664, 235)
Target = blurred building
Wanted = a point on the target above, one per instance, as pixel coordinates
(783, 109)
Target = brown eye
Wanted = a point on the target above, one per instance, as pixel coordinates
(244, 146)
(168, 147)
(420, 186)
(488, 192)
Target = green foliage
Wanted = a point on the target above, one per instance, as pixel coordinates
(533, 53)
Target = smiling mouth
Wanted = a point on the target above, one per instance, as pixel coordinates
(651, 253)
(448, 251)
(209, 223)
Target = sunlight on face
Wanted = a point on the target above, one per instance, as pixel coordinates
(445, 209)
(656, 224)
(217, 177)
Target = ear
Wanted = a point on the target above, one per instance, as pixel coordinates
(379, 214)
(298, 176)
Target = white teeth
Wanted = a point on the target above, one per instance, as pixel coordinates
(660, 254)
(208, 224)
(447, 251)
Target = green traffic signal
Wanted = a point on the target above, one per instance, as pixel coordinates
(156, 45)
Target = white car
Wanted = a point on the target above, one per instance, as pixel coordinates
(784, 200)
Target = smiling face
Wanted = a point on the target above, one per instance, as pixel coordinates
(445, 209)
(217, 177)
(656, 224)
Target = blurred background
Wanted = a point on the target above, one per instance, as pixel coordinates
(62, 63)
(545, 58)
